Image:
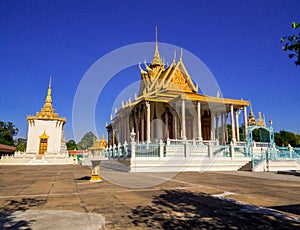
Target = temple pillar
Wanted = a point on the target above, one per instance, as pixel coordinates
(183, 128)
(175, 125)
(148, 121)
(237, 125)
(217, 128)
(245, 123)
(226, 128)
(136, 119)
(142, 127)
(232, 124)
(166, 124)
(199, 120)
(223, 128)
(212, 127)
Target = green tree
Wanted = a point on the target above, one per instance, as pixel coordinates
(7, 132)
(283, 138)
(292, 44)
(87, 141)
(71, 145)
(20, 144)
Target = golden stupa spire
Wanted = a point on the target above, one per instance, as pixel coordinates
(251, 110)
(48, 98)
(156, 59)
(47, 112)
(260, 122)
(251, 118)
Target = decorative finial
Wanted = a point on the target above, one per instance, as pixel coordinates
(48, 98)
(141, 70)
(156, 37)
(156, 59)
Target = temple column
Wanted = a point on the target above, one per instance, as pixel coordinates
(136, 119)
(217, 128)
(127, 128)
(212, 127)
(142, 127)
(237, 125)
(175, 125)
(183, 120)
(199, 120)
(232, 124)
(245, 123)
(166, 124)
(120, 131)
(148, 121)
(223, 129)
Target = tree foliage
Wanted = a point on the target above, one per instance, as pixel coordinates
(283, 138)
(292, 44)
(20, 144)
(7, 132)
(87, 141)
(71, 145)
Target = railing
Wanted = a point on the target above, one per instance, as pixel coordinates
(192, 148)
(147, 150)
(117, 152)
(277, 153)
(261, 144)
(221, 150)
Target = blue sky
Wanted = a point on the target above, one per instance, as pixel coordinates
(239, 41)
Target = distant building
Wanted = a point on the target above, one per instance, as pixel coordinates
(45, 130)
(7, 150)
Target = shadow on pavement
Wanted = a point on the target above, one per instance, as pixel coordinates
(7, 218)
(179, 209)
(84, 178)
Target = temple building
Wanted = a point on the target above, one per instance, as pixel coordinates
(169, 106)
(45, 130)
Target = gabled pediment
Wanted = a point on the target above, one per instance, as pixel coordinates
(179, 78)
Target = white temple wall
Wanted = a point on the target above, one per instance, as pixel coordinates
(53, 131)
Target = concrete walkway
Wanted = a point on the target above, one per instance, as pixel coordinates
(62, 197)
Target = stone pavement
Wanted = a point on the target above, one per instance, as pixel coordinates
(62, 197)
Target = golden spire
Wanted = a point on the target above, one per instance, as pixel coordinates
(156, 59)
(251, 118)
(251, 110)
(48, 98)
(260, 120)
(47, 112)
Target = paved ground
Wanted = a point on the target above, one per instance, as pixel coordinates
(62, 197)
